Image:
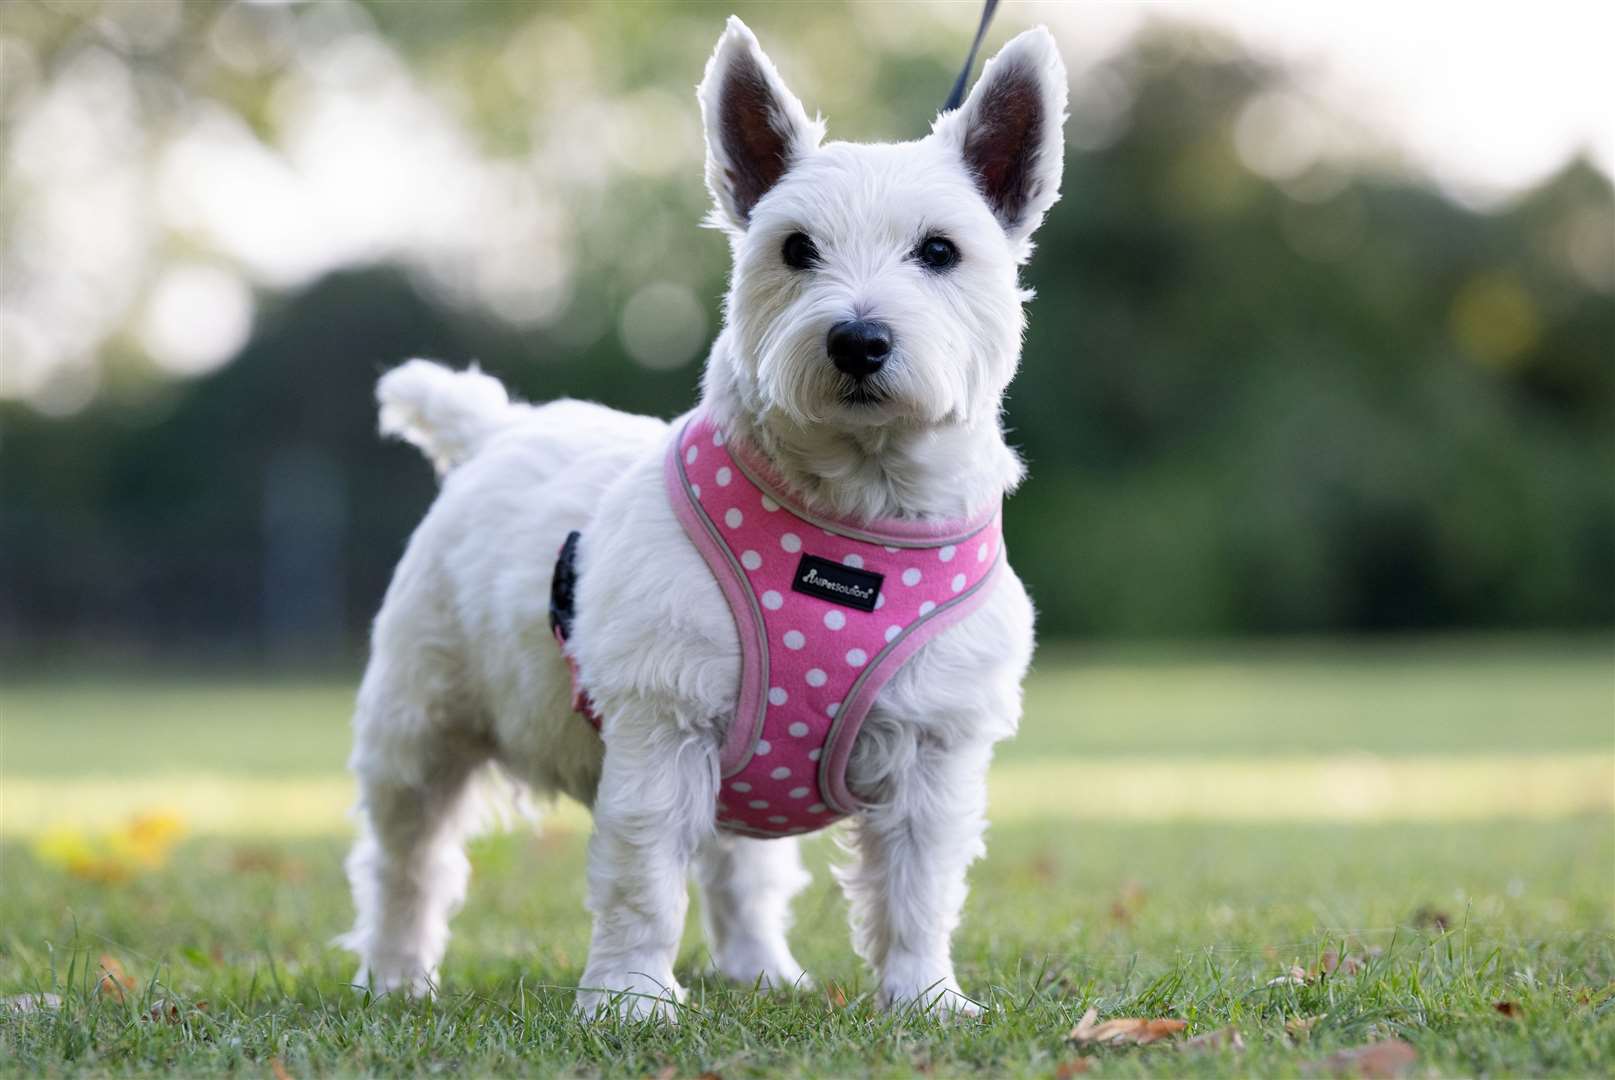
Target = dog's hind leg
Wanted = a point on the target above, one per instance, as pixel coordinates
(408, 869)
(746, 890)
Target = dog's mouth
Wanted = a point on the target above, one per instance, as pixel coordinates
(863, 394)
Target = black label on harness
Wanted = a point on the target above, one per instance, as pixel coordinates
(836, 583)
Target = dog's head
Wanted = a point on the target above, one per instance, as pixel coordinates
(877, 284)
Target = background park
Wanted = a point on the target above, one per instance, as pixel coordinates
(1319, 401)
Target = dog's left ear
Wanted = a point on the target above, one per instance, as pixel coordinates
(756, 129)
(1010, 131)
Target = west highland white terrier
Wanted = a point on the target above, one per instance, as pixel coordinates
(788, 607)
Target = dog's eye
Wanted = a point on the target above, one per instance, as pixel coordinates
(937, 253)
(799, 252)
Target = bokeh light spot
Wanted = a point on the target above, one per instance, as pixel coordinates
(663, 325)
(1494, 319)
(196, 319)
(1278, 135)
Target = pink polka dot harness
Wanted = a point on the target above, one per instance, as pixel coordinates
(827, 611)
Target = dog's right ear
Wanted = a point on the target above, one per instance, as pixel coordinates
(755, 127)
(1010, 132)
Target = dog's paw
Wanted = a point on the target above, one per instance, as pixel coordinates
(942, 999)
(628, 995)
(408, 981)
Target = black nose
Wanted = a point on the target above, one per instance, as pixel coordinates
(859, 346)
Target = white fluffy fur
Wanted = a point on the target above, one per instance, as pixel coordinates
(464, 677)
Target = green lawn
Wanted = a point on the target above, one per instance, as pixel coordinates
(1432, 697)
(1191, 919)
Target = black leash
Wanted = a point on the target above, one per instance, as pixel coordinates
(957, 98)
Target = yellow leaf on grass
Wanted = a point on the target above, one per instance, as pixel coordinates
(143, 842)
(1123, 1031)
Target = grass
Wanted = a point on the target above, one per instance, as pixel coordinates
(1184, 921)
(1192, 919)
(1433, 697)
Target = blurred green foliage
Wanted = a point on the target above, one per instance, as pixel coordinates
(1343, 403)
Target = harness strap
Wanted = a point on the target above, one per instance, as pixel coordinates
(563, 607)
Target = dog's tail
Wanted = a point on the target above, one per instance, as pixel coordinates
(448, 414)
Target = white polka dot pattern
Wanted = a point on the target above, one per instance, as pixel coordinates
(819, 655)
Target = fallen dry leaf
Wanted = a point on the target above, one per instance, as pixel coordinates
(1296, 976)
(22, 1004)
(1125, 908)
(1389, 1058)
(1123, 1031)
(1332, 962)
(114, 980)
(246, 860)
(1222, 1039)
(169, 1012)
(1075, 1067)
(1510, 1009)
(1299, 1028)
(1428, 918)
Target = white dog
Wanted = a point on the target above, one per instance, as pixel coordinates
(914, 246)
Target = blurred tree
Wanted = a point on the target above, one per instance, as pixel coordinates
(1333, 401)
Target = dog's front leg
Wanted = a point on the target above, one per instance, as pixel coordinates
(907, 885)
(655, 805)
